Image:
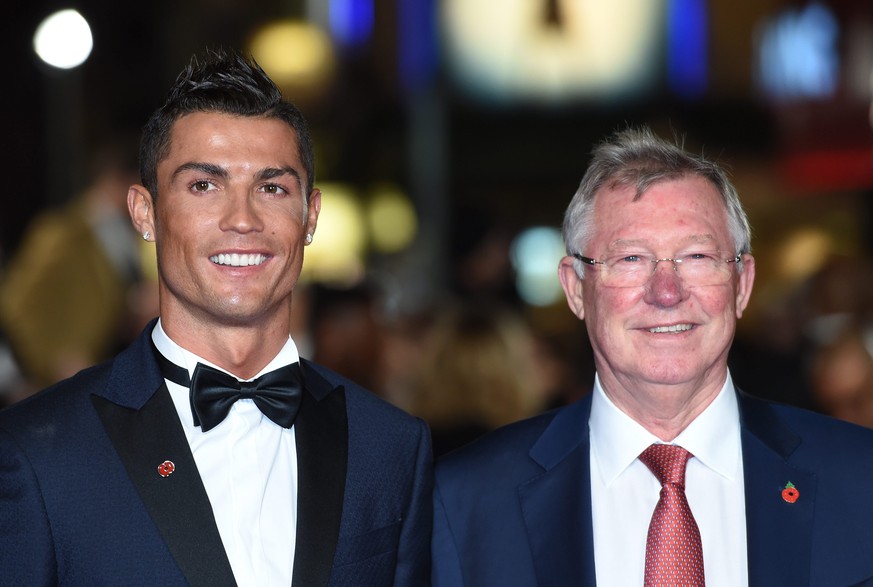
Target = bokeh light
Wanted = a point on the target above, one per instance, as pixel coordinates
(63, 39)
(535, 256)
(336, 255)
(525, 53)
(296, 54)
(391, 218)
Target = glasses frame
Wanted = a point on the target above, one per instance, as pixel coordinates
(676, 262)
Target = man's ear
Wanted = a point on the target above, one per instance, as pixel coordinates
(141, 207)
(572, 285)
(314, 210)
(744, 284)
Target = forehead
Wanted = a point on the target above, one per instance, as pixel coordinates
(671, 212)
(218, 134)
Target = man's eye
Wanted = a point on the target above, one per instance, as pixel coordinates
(698, 257)
(273, 189)
(630, 260)
(201, 185)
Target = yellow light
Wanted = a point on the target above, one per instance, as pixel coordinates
(336, 254)
(392, 220)
(295, 54)
(804, 253)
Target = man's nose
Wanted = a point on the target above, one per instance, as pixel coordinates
(241, 213)
(665, 287)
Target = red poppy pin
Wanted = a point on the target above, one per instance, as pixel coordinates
(790, 492)
(166, 468)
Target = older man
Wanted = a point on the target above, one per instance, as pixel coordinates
(666, 474)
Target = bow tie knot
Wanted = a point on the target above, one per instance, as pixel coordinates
(277, 394)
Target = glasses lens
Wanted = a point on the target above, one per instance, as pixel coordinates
(695, 269)
(705, 269)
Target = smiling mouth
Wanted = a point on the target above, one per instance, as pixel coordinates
(671, 329)
(237, 260)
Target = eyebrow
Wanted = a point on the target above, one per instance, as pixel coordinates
(207, 168)
(271, 172)
(692, 239)
(221, 172)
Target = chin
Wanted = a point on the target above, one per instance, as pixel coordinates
(233, 313)
(670, 374)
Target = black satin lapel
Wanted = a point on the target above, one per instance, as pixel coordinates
(322, 433)
(178, 503)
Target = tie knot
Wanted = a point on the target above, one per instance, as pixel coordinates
(666, 462)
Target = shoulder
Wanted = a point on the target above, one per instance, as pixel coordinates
(805, 422)
(56, 420)
(827, 432)
(58, 400)
(363, 406)
(810, 437)
(499, 456)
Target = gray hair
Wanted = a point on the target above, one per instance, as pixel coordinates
(635, 156)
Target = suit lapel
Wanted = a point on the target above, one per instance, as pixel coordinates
(778, 533)
(177, 503)
(321, 431)
(141, 421)
(557, 503)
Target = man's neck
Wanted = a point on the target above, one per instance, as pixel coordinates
(241, 350)
(665, 410)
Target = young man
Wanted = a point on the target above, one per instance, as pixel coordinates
(666, 474)
(209, 452)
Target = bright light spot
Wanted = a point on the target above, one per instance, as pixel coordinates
(63, 40)
(392, 220)
(596, 48)
(804, 253)
(337, 251)
(798, 53)
(535, 255)
(294, 53)
(351, 21)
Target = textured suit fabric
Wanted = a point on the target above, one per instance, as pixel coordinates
(71, 514)
(515, 507)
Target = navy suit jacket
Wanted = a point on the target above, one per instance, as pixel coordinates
(514, 509)
(82, 503)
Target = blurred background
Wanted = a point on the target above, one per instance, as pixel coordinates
(450, 136)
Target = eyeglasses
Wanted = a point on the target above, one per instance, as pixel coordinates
(634, 270)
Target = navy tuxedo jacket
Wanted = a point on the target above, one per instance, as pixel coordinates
(82, 502)
(514, 509)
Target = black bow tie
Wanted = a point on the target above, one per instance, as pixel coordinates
(277, 394)
(212, 392)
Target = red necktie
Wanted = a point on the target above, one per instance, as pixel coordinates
(674, 555)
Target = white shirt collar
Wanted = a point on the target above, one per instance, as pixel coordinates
(712, 437)
(185, 358)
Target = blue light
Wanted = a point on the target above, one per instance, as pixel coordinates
(798, 54)
(351, 22)
(535, 254)
(418, 40)
(687, 33)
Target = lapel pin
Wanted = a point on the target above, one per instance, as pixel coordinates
(790, 492)
(166, 468)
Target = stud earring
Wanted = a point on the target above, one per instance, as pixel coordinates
(146, 235)
(309, 238)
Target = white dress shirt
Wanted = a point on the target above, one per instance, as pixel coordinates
(248, 465)
(624, 492)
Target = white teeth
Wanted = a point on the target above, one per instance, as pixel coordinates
(674, 328)
(237, 260)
